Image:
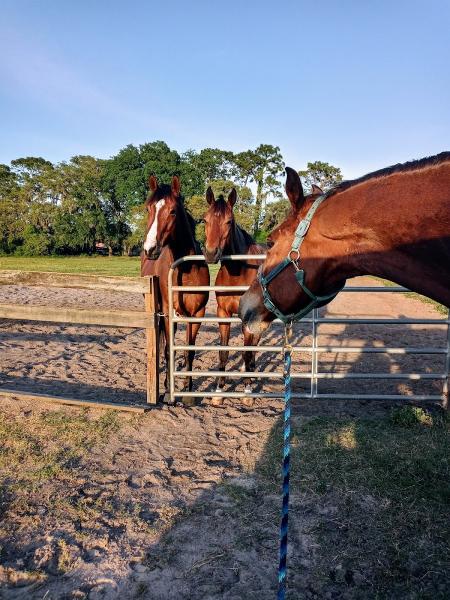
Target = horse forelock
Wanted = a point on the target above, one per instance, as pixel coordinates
(162, 191)
(221, 207)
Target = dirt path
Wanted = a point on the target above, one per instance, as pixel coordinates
(161, 509)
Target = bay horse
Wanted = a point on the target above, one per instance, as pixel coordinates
(393, 223)
(170, 234)
(224, 237)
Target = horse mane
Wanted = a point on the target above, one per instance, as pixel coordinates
(412, 165)
(192, 223)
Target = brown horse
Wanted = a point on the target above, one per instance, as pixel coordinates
(393, 223)
(225, 237)
(170, 234)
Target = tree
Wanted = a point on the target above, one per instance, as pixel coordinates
(261, 166)
(12, 210)
(322, 174)
(213, 164)
(29, 167)
(36, 178)
(123, 177)
(192, 181)
(159, 160)
(81, 219)
(8, 182)
(137, 221)
(275, 214)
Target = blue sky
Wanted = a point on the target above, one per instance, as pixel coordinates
(358, 84)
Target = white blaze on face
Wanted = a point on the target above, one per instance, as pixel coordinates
(150, 240)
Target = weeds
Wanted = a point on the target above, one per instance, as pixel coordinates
(383, 486)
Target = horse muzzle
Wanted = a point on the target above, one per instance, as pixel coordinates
(212, 255)
(252, 312)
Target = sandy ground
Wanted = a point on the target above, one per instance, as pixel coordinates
(179, 459)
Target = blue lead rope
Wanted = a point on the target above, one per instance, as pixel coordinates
(282, 569)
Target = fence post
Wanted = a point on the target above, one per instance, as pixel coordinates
(152, 337)
(445, 390)
(314, 357)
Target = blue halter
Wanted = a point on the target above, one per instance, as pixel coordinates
(292, 259)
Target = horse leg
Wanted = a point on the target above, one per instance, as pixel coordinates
(191, 335)
(250, 339)
(165, 330)
(224, 330)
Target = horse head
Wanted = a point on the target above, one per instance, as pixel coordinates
(163, 204)
(282, 266)
(219, 223)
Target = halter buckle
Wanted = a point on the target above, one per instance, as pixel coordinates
(302, 228)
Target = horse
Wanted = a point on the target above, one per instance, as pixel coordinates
(170, 234)
(393, 223)
(224, 237)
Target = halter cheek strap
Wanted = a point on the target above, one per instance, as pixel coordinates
(292, 259)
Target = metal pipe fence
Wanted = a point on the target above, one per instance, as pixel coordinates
(314, 349)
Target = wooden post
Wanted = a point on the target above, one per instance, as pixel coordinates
(152, 335)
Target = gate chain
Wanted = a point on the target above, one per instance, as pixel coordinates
(282, 569)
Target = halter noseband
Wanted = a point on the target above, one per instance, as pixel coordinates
(292, 259)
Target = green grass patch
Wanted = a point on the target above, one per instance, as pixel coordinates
(97, 265)
(48, 479)
(213, 270)
(39, 448)
(383, 491)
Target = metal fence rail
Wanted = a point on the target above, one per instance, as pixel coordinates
(314, 375)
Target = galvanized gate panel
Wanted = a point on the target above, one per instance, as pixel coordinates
(314, 375)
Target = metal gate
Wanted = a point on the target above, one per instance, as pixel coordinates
(314, 375)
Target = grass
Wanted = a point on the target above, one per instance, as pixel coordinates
(50, 483)
(98, 265)
(40, 448)
(383, 488)
(41, 458)
(443, 310)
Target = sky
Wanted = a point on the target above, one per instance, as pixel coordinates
(358, 84)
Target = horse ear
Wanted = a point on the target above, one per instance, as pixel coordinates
(294, 189)
(315, 189)
(176, 186)
(153, 183)
(232, 197)
(210, 195)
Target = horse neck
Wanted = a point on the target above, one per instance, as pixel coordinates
(183, 242)
(396, 228)
(240, 242)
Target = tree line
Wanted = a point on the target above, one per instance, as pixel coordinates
(69, 207)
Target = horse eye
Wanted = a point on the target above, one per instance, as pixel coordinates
(269, 243)
(173, 213)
